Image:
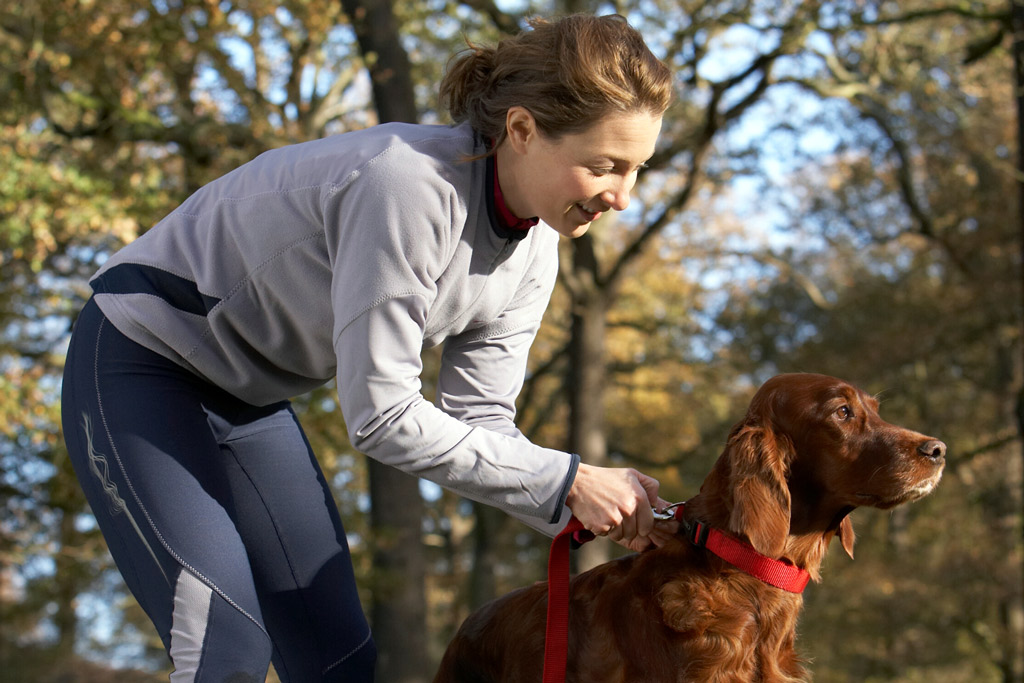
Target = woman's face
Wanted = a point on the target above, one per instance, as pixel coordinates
(570, 181)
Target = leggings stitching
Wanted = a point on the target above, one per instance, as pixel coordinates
(145, 512)
(357, 648)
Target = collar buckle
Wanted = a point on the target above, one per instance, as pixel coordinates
(697, 532)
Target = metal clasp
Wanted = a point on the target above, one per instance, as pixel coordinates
(668, 513)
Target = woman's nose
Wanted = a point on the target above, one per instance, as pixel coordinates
(617, 196)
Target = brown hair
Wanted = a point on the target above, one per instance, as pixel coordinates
(567, 72)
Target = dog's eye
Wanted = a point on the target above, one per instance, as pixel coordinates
(844, 413)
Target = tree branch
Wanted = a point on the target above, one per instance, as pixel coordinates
(504, 21)
(963, 459)
(904, 175)
(960, 9)
(713, 122)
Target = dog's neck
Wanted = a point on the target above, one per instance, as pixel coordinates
(814, 522)
(807, 550)
(810, 534)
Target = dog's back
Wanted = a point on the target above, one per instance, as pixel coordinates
(503, 641)
(620, 625)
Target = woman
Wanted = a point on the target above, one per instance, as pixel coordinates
(341, 258)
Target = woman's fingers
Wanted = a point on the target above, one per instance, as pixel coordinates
(615, 502)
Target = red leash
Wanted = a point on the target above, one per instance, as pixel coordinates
(556, 632)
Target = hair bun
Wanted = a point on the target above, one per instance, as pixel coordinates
(467, 80)
(567, 72)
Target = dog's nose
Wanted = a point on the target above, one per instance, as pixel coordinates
(933, 448)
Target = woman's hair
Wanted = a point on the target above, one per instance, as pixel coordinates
(567, 72)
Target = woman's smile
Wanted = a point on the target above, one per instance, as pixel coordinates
(571, 181)
(588, 215)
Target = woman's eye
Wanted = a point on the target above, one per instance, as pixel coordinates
(599, 171)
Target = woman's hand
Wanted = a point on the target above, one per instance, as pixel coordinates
(617, 503)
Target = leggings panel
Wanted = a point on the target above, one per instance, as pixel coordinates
(217, 515)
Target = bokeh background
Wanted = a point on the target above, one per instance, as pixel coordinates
(837, 189)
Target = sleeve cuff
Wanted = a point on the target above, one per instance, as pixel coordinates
(570, 476)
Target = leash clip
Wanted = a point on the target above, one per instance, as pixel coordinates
(668, 513)
(696, 531)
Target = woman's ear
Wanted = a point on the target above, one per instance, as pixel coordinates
(520, 128)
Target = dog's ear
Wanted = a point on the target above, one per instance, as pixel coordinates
(846, 535)
(758, 460)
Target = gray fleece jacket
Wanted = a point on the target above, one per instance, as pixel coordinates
(344, 257)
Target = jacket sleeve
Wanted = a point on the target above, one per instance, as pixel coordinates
(483, 370)
(384, 285)
(389, 420)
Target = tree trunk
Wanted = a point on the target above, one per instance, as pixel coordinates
(482, 586)
(381, 46)
(1013, 609)
(399, 609)
(67, 588)
(587, 376)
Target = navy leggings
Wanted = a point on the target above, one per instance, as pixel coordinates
(216, 514)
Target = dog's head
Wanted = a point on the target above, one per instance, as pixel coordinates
(811, 449)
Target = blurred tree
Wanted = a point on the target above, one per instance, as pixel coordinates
(115, 113)
(904, 229)
(900, 271)
(915, 279)
(398, 613)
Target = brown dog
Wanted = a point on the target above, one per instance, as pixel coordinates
(810, 450)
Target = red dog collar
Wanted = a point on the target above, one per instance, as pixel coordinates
(742, 555)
